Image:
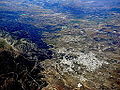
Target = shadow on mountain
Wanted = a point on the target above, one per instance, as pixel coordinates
(20, 30)
(18, 73)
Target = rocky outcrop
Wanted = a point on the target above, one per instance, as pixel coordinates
(20, 66)
(19, 73)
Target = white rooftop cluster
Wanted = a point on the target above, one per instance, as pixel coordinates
(89, 60)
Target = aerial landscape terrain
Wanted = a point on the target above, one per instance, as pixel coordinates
(59, 44)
